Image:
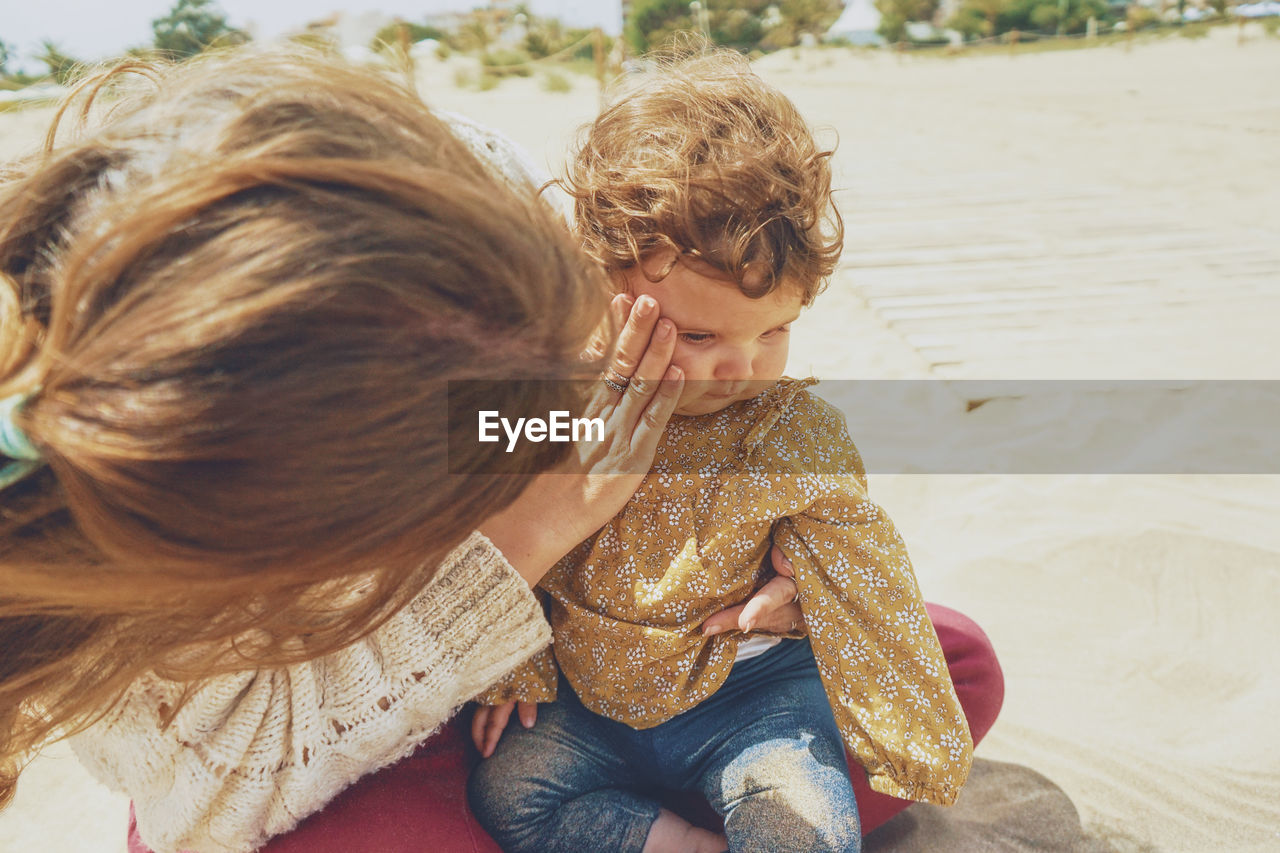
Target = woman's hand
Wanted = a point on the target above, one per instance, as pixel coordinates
(567, 505)
(773, 608)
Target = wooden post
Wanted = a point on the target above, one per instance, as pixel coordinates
(410, 74)
(597, 53)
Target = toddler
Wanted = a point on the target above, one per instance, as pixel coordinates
(702, 187)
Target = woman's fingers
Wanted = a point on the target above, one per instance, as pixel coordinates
(725, 620)
(653, 419)
(528, 713)
(607, 332)
(773, 608)
(649, 373)
(641, 365)
(782, 565)
(559, 510)
(634, 340)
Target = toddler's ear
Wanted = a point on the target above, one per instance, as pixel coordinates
(618, 283)
(658, 264)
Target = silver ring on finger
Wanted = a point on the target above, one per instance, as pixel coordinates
(620, 387)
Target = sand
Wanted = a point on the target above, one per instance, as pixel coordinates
(1101, 214)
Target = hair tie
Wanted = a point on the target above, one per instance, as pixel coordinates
(23, 456)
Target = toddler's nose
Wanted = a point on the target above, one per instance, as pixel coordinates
(734, 366)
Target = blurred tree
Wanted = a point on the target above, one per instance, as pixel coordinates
(1052, 16)
(61, 66)
(896, 14)
(994, 17)
(979, 18)
(475, 33)
(4, 58)
(390, 34)
(545, 36)
(653, 22)
(192, 26)
(738, 24)
(742, 24)
(811, 16)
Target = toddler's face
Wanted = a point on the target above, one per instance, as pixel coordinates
(731, 347)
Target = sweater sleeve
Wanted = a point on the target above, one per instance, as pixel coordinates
(251, 754)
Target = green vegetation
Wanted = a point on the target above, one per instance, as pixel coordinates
(896, 14)
(554, 81)
(549, 37)
(466, 78)
(506, 63)
(62, 68)
(193, 26)
(413, 33)
(743, 24)
(984, 18)
(1141, 18)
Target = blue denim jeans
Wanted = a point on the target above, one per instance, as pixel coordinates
(763, 749)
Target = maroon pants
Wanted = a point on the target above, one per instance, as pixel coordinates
(421, 803)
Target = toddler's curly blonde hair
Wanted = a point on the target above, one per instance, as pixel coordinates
(698, 155)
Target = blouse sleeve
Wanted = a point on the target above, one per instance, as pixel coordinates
(877, 652)
(251, 754)
(535, 680)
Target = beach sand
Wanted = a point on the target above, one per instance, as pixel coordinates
(1099, 214)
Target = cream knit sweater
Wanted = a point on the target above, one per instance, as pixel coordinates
(252, 754)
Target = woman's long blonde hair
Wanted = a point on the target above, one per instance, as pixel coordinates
(236, 303)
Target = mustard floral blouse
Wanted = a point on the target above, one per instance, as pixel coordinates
(626, 606)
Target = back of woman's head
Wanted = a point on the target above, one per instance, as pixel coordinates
(234, 307)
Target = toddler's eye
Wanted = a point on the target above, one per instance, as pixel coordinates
(695, 337)
(773, 333)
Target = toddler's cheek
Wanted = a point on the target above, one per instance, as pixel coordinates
(689, 363)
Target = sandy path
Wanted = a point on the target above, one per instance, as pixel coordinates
(1083, 214)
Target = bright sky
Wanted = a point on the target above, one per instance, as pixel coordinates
(96, 29)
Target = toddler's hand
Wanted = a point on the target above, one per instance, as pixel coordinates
(491, 720)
